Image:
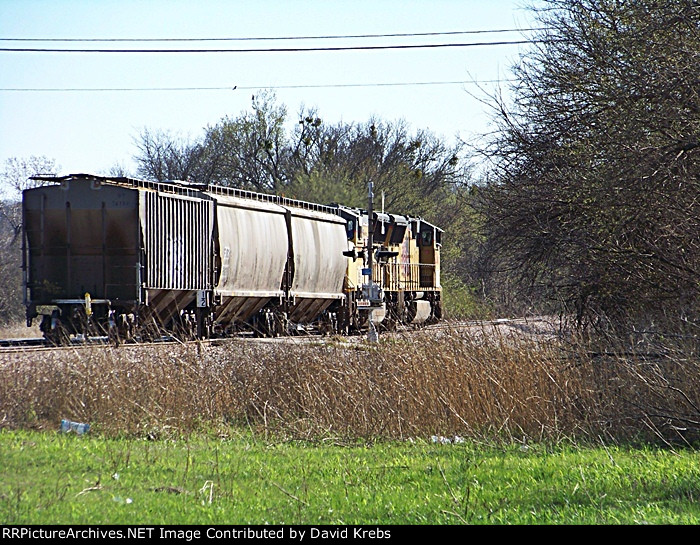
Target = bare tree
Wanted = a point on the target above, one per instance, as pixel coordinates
(10, 261)
(163, 156)
(17, 171)
(594, 194)
(14, 178)
(410, 168)
(119, 170)
(249, 151)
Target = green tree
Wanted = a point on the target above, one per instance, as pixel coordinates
(248, 151)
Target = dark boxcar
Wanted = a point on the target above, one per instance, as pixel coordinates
(100, 251)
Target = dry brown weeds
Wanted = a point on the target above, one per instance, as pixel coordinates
(493, 387)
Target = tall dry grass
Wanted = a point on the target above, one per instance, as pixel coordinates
(492, 387)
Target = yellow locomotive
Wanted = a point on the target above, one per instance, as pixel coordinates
(401, 255)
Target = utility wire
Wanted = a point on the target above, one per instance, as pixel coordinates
(248, 87)
(265, 38)
(270, 50)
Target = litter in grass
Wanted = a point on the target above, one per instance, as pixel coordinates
(78, 427)
(446, 440)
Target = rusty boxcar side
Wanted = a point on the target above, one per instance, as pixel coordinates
(97, 250)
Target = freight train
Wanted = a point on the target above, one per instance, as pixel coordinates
(131, 259)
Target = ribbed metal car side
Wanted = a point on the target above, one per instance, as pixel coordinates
(318, 240)
(177, 248)
(97, 246)
(252, 248)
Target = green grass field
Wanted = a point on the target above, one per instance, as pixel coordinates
(53, 478)
(332, 432)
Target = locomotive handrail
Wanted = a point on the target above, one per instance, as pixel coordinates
(406, 276)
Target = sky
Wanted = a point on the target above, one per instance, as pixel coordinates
(85, 110)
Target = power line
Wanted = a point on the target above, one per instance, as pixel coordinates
(270, 50)
(246, 87)
(269, 38)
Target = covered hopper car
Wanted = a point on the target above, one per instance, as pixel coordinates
(131, 259)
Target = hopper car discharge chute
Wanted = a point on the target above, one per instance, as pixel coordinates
(251, 250)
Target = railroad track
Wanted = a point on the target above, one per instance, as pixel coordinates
(39, 343)
(19, 343)
(527, 325)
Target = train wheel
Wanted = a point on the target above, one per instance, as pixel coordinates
(54, 330)
(409, 312)
(390, 321)
(265, 324)
(435, 309)
(329, 323)
(203, 319)
(185, 327)
(113, 336)
(150, 330)
(281, 324)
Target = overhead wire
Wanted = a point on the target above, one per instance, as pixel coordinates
(251, 87)
(272, 38)
(262, 50)
(267, 49)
